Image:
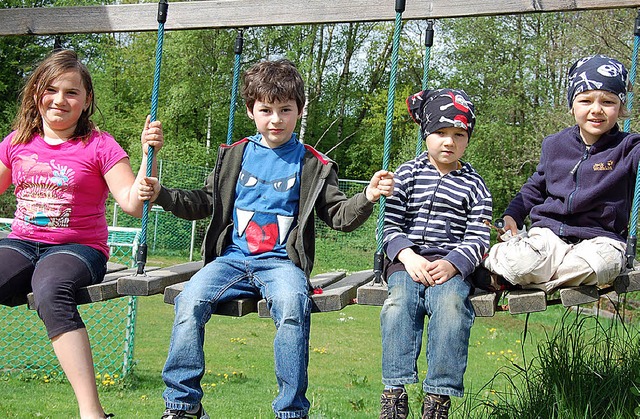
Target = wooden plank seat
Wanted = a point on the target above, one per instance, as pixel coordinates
(125, 282)
(333, 291)
(86, 294)
(242, 306)
(236, 308)
(486, 304)
(334, 296)
(156, 281)
(372, 294)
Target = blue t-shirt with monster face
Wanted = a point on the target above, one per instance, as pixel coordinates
(267, 199)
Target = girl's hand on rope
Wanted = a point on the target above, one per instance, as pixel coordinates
(152, 135)
(416, 266)
(381, 184)
(148, 189)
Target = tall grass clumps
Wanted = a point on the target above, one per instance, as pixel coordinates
(586, 367)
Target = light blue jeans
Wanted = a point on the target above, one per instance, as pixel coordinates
(285, 288)
(402, 319)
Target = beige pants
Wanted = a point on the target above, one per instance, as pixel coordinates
(542, 260)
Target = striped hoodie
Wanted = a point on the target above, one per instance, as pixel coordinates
(438, 216)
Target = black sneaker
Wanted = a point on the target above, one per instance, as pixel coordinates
(182, 414)
(484, 279)
(435, 406)
(394, 404)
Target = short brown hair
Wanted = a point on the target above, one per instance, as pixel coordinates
(273, 81)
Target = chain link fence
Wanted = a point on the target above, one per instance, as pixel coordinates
(170, 236)
(24, 346)
(26, 351)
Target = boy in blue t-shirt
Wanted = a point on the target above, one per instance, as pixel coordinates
(262, 196)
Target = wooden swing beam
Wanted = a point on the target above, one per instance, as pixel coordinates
(219, 14)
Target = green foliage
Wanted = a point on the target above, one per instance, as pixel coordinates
(514, 67)
(585, 367)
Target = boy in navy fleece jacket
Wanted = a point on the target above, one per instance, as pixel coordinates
(580, 196)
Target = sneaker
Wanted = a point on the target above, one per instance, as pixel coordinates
(435, 406)
(484, 279)
(182, 414)
(394, 404)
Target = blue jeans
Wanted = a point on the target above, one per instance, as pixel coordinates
(402, 318)
(285, 288)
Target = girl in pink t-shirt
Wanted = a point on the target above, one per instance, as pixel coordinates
(63, 168)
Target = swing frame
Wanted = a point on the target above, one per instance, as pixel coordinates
(219, 14)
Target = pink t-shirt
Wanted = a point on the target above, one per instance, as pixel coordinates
(60, 189)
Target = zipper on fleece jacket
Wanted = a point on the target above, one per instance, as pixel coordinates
(574, 173)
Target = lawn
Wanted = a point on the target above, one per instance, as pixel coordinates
(344, 369)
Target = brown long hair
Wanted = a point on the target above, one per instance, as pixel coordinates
(28, 121)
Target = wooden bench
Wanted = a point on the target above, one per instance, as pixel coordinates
(123, 282)
(486, 304)
(332, 292)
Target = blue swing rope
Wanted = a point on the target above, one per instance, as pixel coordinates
(141, 254)
(379, 257)
(632, 239)
(234, 87)
(428, 43)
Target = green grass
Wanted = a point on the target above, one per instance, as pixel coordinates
(344, 369)
(585, 368)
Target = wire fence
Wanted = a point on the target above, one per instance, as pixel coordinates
(24, 346)
(168, 235)
(26, 351)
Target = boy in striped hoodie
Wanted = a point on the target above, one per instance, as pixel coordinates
(435, 234)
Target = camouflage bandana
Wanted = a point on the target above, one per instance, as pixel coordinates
(597, 72)
(442, 108)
